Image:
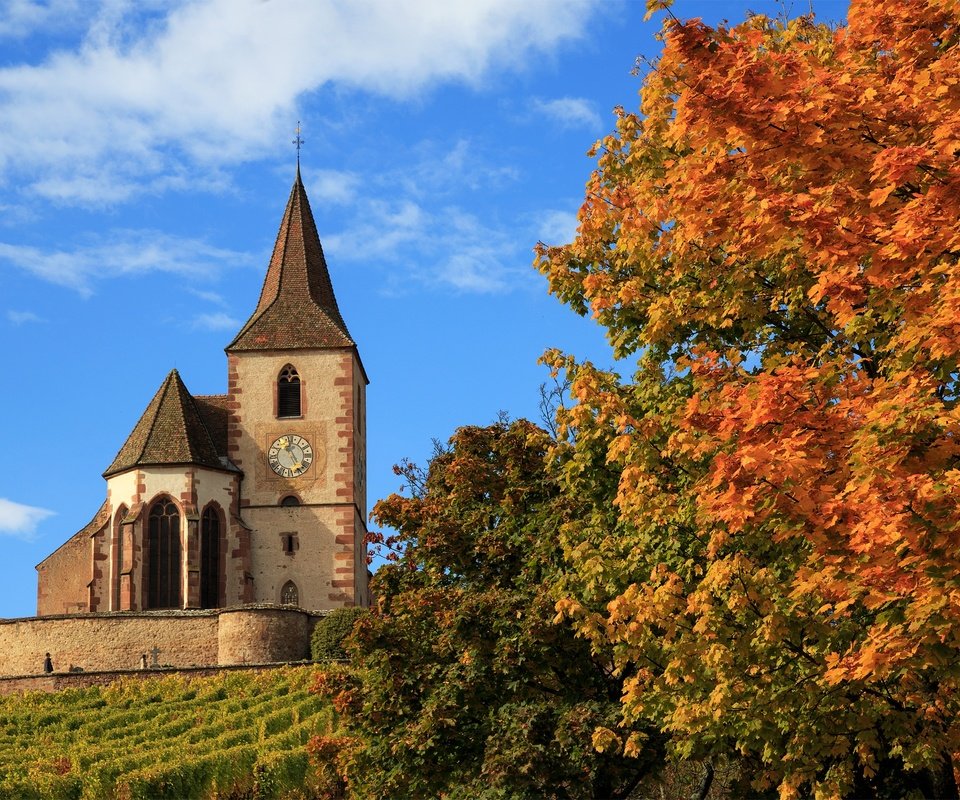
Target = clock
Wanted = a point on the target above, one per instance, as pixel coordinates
(290, 456)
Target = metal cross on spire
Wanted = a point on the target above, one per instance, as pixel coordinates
(298, 141)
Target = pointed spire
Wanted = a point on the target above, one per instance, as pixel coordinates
(297, 307)
(171, 431)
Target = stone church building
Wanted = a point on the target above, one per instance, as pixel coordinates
(255, 496)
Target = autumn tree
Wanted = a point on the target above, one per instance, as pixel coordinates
(461, 684)
(775, 239)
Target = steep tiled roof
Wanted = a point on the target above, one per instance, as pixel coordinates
(213, 412)
(171, 431)
(297, 308)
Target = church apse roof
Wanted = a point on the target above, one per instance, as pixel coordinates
(297, 307)
(171, 431)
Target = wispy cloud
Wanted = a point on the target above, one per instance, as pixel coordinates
(557, 227)
(569, 112)
(148, 96)
(333, 186)
(217, 321)
(20, 520)
(21, 18)
(210, 297)
(447, 248)
(22, 317)
(436, 171)
(121, 253)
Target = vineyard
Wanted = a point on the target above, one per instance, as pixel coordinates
(235, 735)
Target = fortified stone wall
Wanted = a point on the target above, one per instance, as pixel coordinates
(116, 640)
(80, 680)
(260, 636)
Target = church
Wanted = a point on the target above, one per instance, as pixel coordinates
(255, 496)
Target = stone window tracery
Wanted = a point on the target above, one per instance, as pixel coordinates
(163, 556)
(289, 594)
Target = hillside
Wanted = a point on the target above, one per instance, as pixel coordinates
(235, 735)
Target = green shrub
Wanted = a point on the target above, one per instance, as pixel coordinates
(327, 640)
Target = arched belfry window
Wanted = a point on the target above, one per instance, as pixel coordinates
(289, 594)
(163, 556)
(288, 392)
(290, 500)
(210, 558)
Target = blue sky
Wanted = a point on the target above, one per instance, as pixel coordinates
(145, 160)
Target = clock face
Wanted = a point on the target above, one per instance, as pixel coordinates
(290, 456)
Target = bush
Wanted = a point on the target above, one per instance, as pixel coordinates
(326, 643)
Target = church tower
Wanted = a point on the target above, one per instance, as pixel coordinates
(296, 427)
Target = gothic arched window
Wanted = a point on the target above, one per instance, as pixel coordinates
(163, 556)
(289, 595)
(118, 555)
(288, 392)
(210, 558)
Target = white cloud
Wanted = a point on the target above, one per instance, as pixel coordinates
(217, 321)
(17, 519)
(20, 317)
(569, 112)
(122, 253)
(143, 96)
(557, 227)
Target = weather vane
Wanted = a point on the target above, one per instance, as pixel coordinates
(299, 143)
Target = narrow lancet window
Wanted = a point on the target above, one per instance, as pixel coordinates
(118, 558)
(210, 559)
(288, 392)
(163, 556)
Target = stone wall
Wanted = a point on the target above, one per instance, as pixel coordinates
(64, 577)
(259, 636)
(331, 492)
(116, 640)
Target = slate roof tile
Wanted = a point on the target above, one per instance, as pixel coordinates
(297, 308)
(213, 412)
(171, 431)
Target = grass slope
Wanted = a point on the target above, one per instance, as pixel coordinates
(235, 735)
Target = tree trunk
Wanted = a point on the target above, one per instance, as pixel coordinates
(706, 782)
(944, 782)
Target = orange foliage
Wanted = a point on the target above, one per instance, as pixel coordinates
(777, 235)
